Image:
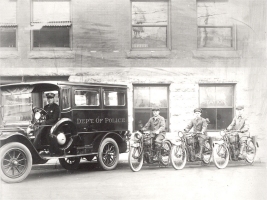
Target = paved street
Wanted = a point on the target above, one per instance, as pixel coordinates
(238, 181)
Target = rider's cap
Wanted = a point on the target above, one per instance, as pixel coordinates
(155, 109)
(50, 95)
(241, 107)
(198, 110)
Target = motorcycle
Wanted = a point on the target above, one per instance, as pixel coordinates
(184, 150)
(142, 149)
(227, 148)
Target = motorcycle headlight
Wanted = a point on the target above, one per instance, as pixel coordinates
(180, 134)
(37, 115)
(222, 133)
(138, 136)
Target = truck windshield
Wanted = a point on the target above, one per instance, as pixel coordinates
(16, 108)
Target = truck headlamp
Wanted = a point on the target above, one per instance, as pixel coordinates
(180, 134)
(138, 135)
(37, 115)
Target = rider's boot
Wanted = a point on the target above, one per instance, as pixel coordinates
(241, 156)
(199, 155)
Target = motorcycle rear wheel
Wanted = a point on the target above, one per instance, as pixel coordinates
(165, 153)
(251, 152)
(136, 158)
(178, 157)
(221, 156)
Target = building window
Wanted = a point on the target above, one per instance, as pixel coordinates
(145, 98)
(149, 24)
(51, 24)
(217, 103)
(215, 29)
(8, 26)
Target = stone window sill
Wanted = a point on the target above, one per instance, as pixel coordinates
(51, 55)
(148, 54)
(216, 54)
(9, 54)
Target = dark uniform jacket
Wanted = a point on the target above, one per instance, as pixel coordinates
(52, 113)
(198, 125)
(155, 123)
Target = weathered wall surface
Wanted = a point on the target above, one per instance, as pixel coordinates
(101, 43)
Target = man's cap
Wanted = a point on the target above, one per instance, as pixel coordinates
(156, 109)
(50, 95)
(198, 110)
(240, 107)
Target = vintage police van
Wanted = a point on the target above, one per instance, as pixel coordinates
(93, 121)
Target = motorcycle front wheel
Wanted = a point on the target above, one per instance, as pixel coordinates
(178, 157)
(135, 158)
(221, 156)
(251, 152)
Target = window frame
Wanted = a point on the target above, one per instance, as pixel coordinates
(114, 106)
(50, 25)
(87, 90)
(233, 85)
(61, 98)
(234, 44)
(146, 108)
(16, 32)
(168, 28)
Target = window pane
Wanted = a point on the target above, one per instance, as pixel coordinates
(149, 37)
(141, 97)
(65, 98)
(16, 107)
(210, 113)
(47, 11)
(7, 37)
(207, 97)
(213, 13)
(52, 37)
(149, 13)
(215, 37)
(8, 11)
(224, 117)
(86, 98)
(114, 98)
(224, 96)
(141, 117)
(147, 97)
(158, 97)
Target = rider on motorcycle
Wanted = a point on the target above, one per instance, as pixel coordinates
(240, 124)
(199, 126)
(157, 125)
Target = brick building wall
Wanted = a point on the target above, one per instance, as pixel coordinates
(101, 52)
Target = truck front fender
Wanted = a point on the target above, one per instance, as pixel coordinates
(9, 137)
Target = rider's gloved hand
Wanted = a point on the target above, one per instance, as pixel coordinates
(156, 132)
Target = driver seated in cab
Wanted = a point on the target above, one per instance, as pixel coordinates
(156, 124)
(52, 116)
